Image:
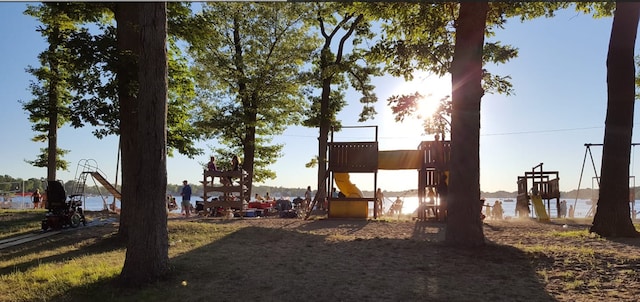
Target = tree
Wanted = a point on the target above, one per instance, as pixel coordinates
(49, 110)
(407, 105)
(248, 59)
(128, 50)
(464, 225)
(428, 46)
(147, 257)
(103, 80)
(338, 22)
(612, 217)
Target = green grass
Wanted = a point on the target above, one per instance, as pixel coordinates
(233, 261)
(15, 222)
(60, 265)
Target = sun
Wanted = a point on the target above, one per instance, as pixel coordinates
(432, 88)
(408, 133)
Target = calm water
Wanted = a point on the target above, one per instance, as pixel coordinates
(582, 206)
(95, 203)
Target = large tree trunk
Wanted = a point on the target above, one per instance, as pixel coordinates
(464, 226)
(249, 103)
(147, 257)
(612, 217)
(127, 38)
(53, 107)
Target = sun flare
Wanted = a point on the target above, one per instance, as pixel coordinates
(409, 132)
(431, 87)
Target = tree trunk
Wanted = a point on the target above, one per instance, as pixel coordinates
(323, 137)
(249, 150)
(464, 226)
(53, 106)
(127, 38)
(147, 257)
(612, 217)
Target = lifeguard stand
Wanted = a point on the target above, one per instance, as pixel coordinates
(545, 184)
(233, 195)
(352, 157)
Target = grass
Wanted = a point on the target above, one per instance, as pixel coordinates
(321, 260)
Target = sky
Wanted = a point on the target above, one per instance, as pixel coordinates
(558, 105)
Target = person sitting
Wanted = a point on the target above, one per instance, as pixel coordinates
(297, 201)
(172, 205)
(211, 165)
(396, 207)
(235, 166)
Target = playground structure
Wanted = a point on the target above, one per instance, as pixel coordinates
(431, 160)
(233, 193)
(543, 188)
(84, 169)
(63, 212)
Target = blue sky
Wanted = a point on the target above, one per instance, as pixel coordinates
(559, 105)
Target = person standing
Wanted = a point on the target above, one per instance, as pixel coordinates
(307, 198)
(36, 199)
(443, 192)
(571, 211)
(497, 212)
(563, 209)
(379, 200)
(186, 198)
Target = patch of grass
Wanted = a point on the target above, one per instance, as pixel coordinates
(571, 234)
(332, 260)
(14, 222)
(573, 285)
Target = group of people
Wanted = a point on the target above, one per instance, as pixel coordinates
(186, 191)
(562, 210)
(493, 212)
(235, 166)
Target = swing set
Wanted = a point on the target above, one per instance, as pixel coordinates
(595, 182)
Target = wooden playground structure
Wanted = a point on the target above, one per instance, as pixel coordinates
(431, 160)
(545, 186)
(233, 189)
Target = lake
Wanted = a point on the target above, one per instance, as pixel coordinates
(582, 206)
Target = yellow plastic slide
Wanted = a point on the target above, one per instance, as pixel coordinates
(345, 186)
(541, 212)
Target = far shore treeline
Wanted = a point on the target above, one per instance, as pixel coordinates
(9, 185)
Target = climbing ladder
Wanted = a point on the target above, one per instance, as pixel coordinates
(86, 168)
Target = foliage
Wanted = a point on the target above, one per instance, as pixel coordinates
(336, 67)
(55, 78)
(340, 64)
(42, 159)
(420, 36)
(247, 60)
(89, 47)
